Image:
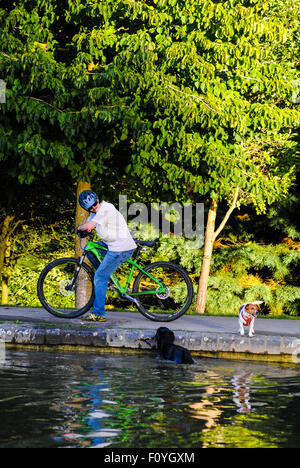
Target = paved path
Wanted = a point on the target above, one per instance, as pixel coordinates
(134, 320)
(275, 339)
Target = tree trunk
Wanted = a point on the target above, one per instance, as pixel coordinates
(208, 249)
(4, 291)
(82, 288)
(210, 237)
(6, 272)
(4, 257)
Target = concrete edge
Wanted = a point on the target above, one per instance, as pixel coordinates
(262, 347)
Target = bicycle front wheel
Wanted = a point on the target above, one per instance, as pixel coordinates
(163, 303)
(60, 294)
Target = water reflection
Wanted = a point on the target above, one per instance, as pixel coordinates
(90, 424)
(89, 400)
(241, 394)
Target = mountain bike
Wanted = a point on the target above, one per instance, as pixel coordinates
(162, 291)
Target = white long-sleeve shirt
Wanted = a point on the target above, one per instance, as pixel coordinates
(112, 228)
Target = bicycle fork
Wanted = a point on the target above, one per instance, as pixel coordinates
(70, 286)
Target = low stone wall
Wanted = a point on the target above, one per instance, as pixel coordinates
(277, 348)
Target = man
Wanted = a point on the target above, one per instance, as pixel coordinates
(113, 230)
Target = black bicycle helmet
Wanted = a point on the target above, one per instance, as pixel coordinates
(87, 199)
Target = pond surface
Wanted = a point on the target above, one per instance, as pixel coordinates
(50, 399)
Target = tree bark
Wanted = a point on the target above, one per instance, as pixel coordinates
(208, 248)
(82, 288)
(4, 256)
(210, 237)
(6, 273)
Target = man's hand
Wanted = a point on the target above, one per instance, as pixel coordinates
(88, 226)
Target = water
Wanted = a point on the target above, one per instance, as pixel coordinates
(50, 399)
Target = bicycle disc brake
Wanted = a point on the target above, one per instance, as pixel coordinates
(163, 295)
(63, 290)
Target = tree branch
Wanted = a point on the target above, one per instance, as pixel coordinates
(9, 56)
(194, 96)
(69, 112)
(44, 102)
(226, 217)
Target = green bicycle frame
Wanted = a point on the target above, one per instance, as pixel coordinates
(96, 250)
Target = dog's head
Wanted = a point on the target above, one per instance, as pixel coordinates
(164, 336)
(251, 309)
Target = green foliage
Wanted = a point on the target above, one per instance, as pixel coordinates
(200, 94)
(278, 261)
(242, 273)
(255, 272)
(214, 83)
(32, 247)
(59, 110)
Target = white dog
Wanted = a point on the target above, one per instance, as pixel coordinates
(247, 316)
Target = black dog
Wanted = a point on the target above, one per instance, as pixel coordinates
(168, 350)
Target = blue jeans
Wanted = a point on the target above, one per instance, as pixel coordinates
(110, 262)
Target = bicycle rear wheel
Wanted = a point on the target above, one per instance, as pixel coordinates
(55, 294)
(170, 304)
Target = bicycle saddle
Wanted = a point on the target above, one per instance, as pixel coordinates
(146, 243)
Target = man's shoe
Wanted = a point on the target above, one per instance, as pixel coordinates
(94, 318)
